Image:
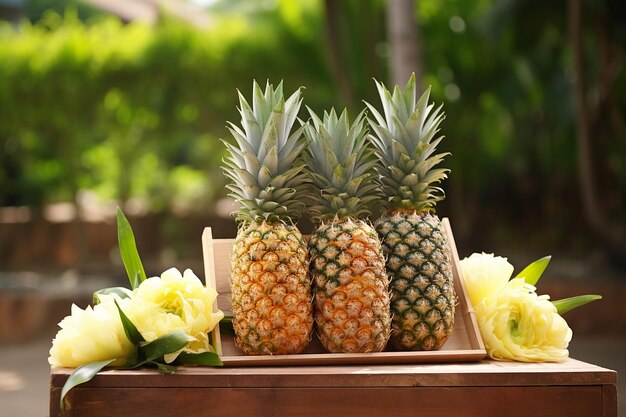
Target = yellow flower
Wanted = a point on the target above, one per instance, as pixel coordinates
(90, 335)
(517, 324)
(484, 275)
(175, 302)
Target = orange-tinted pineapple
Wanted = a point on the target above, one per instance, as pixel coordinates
(271, 288)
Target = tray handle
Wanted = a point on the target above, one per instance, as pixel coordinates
(209, 272)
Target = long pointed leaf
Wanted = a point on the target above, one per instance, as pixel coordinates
(134, 283)
(119, 291)
(129, 328)
(81, 375)
(128, 251)
(166, 344)
(532, 272)
(204, 359)
(567, 304)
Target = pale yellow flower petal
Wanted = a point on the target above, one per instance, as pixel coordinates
(173, 302)
(517, 324)
(484, 275)
(90, 335)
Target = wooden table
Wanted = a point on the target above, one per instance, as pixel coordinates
(485, 388)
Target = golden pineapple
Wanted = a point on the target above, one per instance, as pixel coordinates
(271, 289)
(346, 260)
(413, 238)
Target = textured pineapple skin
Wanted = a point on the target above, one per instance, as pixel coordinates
(350, 287)
(271, 290)
(422, 289)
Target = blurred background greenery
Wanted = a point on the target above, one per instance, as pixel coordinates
(100, 107)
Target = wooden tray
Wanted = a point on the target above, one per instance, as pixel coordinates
(464, 344)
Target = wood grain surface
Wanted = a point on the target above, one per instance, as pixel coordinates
(485, 388)
(483, 373)
(554, 401)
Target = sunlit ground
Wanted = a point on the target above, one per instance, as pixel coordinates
(24, 371)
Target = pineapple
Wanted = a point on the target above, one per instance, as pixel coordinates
(271, 289)
(346, 260)
(412, 236)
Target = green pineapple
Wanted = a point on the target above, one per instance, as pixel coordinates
(413, 238)
(271, 289)
(346, 259)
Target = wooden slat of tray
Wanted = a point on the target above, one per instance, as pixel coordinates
(464, 344)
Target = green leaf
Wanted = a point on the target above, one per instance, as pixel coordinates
(532, 272)
(134, 360)
(165, 344)
(226, 325)
(134, 283)
(119, 291)
(81, 375)
(163, 368)
(129, 328)
(128, 251)
(567, 304)
(203, 359)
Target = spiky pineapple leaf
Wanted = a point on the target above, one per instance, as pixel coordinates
(340, 165)
(405, 137)
(263, 167)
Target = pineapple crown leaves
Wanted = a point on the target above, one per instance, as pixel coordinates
(405, 137)
(267, 178)
(341, 166)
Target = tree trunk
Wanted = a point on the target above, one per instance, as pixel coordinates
(373, 36)
(402, 33)
(594, 215)
(333, 43)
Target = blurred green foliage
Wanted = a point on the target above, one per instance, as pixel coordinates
(132, 110)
